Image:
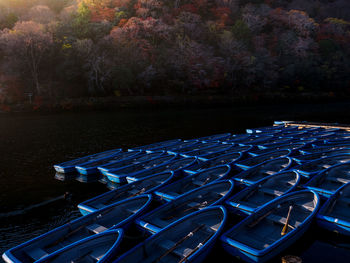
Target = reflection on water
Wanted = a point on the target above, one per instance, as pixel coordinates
(31, 143)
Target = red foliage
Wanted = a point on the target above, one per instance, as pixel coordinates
(223, 16)
(101, 14)
(189, 8)
(122, 22)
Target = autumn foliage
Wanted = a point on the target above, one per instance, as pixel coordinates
(72, 48)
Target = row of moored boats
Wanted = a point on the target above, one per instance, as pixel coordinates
(277, 179)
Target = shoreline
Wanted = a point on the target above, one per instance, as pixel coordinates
(157, 102)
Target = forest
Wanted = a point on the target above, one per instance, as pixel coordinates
(81, 48)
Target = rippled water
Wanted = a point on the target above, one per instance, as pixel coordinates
(31, 143)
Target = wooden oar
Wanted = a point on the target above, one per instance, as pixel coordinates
(195, 249)
(285, 227)
(179, 242)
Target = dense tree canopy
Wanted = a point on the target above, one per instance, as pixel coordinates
(70, 48)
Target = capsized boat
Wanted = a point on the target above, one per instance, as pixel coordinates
(176, 166)
(196, 147)
(262, 170)
(334, 215)
(253, 197)
(194, 181)
(311, 168)
(97, 248)
(327, 182)
(188, 239)
(69, 166)
(252, 161)
(208, 195)
(120, 214)
(119, 175)
(146, 186)
(273, 227)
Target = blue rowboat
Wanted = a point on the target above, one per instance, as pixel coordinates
(275, 142)
(334, 215)
(233, 149)
(145, 186)
(272, 129)
(119, 175)
(98, 248)
(272, 228)
(90, 167)
(219, 149)
(304, 158)
(319, 149)
(118, 215)
(336, 140)
(194, 181)
(327, 182)
(253, 197)
(318, 135)
(176, 166)
(183, 145)
(156, 146)
(69, 166)
(236, 138)
(260, 171)
(255, 139)
(196, 147)
(140, 158)
(215, 137)
(189, 239)
(209, 195)
(267, 129)
(252, 161)
(294, 134)
(311, 168)
(295, 146)
(227, 158)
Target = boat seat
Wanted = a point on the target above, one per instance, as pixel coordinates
(269, 172)
(310, 208)
(197, 182)
(96, 257)
(215, 227)
(96, 228)
(270, 191)
(338, 180)
(179, 250)
(193, 204)
(134, 191)
(36, 253)
(130, 210)
(281, 220)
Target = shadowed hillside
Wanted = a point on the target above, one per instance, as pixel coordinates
(64, 48)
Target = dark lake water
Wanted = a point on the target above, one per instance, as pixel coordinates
(30, 143)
